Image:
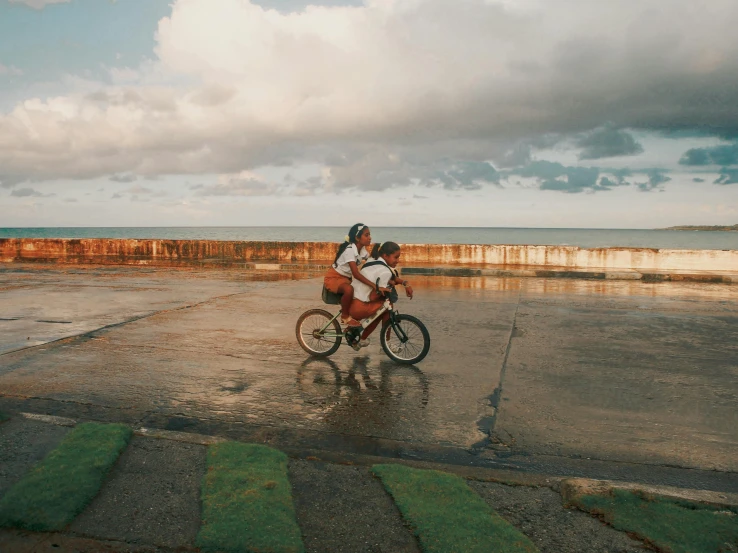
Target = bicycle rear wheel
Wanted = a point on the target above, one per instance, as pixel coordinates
(317, 333)
(408, 343)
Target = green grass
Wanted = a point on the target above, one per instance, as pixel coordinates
(247, 501)
(446, 515)
(673, 526)
(56, 490)
(4, 416)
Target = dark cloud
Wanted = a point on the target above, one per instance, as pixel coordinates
(717, 155)
(467, 175)
(656, 178)
(578, 179)
(727, 176)
(555, 176)
(26, 193)
(124, 177)
(607, 184)
(542, 169)
(697, 179)
(9, 181)
(573, 180)
(608, 142)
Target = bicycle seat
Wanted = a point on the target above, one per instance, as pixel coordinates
(331, 298)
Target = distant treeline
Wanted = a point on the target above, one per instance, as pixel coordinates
(702, 227)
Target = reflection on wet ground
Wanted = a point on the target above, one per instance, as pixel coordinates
(518, 367)
(375, 399)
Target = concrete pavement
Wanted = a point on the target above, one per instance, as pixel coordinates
(612, 379)
(528, 381)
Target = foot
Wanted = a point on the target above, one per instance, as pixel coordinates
(350, 321)
(365, 343)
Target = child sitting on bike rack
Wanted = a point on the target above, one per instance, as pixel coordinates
(381, 275)
(345, 268)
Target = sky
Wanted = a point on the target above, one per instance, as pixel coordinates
(498, 113)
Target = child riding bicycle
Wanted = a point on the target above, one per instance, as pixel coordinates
(369, 298)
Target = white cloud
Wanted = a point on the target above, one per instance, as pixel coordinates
(38, 4)
(10, 70)
(380, 89)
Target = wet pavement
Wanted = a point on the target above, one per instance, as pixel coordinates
(616, 379)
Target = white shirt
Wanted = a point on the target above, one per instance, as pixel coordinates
(382, 271)
(351, 253)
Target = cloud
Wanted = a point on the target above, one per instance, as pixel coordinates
(697, 179)
(555, 176)
(656, 178)
(138, 189)
(727, 176)
(608, 142)
(364, 83)
(38, 4)
(9, 181)
(243, 184)
(26, 193)
(11, 70)
(125, 177)
(717, 155)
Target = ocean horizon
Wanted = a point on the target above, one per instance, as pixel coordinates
(582, 237)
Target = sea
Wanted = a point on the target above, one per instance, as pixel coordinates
(582, 237)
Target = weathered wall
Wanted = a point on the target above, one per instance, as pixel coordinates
(168, 252)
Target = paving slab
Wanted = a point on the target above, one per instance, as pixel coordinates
(656, 380)
(70, 301)
(342, 509)
(152, 496)
(23, 443)
(540, 515)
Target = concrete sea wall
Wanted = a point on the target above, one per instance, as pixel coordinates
(203, 252)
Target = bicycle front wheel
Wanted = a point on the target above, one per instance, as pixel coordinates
(406, 341)
(318, 333)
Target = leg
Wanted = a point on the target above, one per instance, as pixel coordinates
(347, 292)
(368, 330)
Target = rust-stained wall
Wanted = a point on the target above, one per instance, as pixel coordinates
(168, 252)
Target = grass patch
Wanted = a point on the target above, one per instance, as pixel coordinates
(674, 526)
(247, 501)
(446, 515)
(4, 416)
(56, 490)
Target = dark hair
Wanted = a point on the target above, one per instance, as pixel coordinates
(355, 232)
(385, 248)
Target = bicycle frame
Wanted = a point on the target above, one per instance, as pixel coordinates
(366, 322)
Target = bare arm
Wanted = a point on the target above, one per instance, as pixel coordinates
(358, 276)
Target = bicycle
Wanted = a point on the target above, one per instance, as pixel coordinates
(404, 338)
